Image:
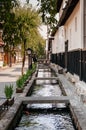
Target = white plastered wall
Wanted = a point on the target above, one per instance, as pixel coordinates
(54, 46)
(58, 42)
(74, 35)
(68, 32)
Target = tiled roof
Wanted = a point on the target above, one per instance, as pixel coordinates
(67, 11)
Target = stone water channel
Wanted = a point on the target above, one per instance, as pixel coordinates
(46, 116)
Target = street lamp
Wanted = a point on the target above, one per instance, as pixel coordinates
(29, 52)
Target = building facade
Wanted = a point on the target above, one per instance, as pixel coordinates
(5, 57)
(69, 44)
(1, 50)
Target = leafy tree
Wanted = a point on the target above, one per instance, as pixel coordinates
(6, 9)
(27, 20)
(33, 42)
(20, 25)
(48, 11)
(10, 36)
(7, 23)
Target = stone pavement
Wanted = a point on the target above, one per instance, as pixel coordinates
(80, 86)
(10, 75)
(77, 107)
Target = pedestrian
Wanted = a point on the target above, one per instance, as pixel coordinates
(34, 58)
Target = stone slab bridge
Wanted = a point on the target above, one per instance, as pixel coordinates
(46, 99)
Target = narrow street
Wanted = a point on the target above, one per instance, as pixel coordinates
(51, 37)
(9, 76)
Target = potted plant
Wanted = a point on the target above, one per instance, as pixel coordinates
(8, 93)
(19, 85)
(24, 78)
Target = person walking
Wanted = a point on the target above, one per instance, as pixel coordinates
(34, 58)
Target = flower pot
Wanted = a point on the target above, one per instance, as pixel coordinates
(19, 90)
(10, 101)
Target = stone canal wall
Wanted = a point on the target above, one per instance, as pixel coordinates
(13, 114)
(77, 108)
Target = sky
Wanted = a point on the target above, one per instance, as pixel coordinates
(33, 2)
(43, 28)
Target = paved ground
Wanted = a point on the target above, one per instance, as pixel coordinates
(77, 107)
(9, 76)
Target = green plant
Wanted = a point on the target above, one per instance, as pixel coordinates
(8, 91)
(22, 79)
(19, 83)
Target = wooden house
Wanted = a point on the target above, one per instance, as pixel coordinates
(69, 44)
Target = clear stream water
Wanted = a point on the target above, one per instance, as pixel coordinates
(46, 116)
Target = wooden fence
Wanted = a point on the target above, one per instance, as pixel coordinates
(76, 62)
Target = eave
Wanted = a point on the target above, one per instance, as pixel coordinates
(54, 31)
(67, 11)
(59, 2)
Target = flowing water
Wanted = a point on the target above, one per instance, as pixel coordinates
(46, 116)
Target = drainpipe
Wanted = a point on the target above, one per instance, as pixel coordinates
(82, 4)
(83, 32)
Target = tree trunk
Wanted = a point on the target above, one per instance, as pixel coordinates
(10, 58)
(23, 59)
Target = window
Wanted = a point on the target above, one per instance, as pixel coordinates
(62, 33)
(65, 33)
(70, 38)
(65, 4)
(75, 24)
